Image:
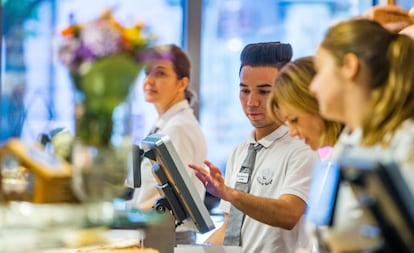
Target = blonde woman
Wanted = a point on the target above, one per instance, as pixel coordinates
(365, 79)
(292, 102)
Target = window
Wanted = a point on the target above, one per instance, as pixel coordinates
(36, 91)
(227, 27)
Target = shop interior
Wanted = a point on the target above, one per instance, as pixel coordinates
(53, 207)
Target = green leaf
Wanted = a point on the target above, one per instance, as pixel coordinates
(105, 85)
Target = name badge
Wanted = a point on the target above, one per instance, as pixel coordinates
(242, 177)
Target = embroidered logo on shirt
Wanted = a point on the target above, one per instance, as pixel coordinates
(265, 177)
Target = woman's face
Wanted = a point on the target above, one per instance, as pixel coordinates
(162, 86)
(308, 127)
(328, 85)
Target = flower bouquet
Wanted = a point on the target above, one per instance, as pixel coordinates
(104, 59)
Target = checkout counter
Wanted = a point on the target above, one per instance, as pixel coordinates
(99, 227)
(39, 208)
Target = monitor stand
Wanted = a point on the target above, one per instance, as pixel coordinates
(161, 235)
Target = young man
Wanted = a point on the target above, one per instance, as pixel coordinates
(275, 200)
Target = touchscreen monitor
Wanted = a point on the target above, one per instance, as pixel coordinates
(382, 190)
(175, 183)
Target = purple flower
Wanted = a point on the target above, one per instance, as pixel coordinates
(101, 38)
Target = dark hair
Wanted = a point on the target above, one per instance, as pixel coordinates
(173, 53)
(181, 64)
(274, 54)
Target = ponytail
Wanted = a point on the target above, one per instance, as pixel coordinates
(191, 97)
(392, 102)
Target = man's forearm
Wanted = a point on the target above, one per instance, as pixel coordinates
(284, 212)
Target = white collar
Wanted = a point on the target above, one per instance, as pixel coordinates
(173, 110)
(349, 137)
(270, 138)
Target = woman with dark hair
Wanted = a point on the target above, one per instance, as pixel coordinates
(166, 86)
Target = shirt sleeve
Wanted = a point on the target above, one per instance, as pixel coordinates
(402, 151)
(298, 175)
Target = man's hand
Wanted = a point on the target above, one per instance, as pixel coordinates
(212, 179)
(283, 212)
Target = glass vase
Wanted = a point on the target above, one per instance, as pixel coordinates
(99, 172)
(100, 151)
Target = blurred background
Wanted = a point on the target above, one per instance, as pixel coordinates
(37, 94)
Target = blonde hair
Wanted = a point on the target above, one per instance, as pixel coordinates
(292, 89)
(389, 58)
